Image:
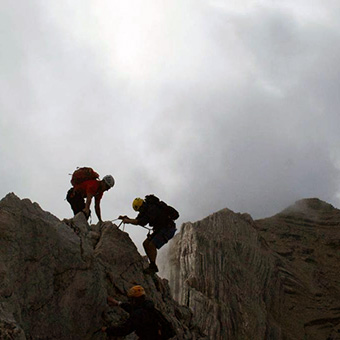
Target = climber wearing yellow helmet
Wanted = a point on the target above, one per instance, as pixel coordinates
(160, 217)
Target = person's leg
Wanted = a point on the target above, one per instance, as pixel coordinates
(150, 250)
(76, 201)
(154, 242)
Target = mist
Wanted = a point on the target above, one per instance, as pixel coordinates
(207, 104)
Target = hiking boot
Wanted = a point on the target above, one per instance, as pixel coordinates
(152, 269)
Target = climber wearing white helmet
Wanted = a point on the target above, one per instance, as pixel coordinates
(86, 185)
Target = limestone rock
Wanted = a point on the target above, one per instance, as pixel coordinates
(306, 236)
(55, 277)
(276, 278)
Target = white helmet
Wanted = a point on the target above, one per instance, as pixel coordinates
(109, 180)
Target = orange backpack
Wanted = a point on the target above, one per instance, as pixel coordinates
(83, 174)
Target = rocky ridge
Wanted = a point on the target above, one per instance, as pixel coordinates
(55, 278)
(275, 278)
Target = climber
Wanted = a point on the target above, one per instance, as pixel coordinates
(145, 320)
(160, 217)
(84, 188)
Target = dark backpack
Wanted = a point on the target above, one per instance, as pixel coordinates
(166, 329)
(83, 174)
(166, 210)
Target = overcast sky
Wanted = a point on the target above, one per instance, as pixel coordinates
(207, 103)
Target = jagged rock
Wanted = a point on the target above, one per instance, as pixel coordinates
(309, 231)
(276, 278)
(222, 269)
(55, 277)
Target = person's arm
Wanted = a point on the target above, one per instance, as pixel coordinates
(113, 302)
(129, 220)
(124, 329)
(139, 220)
(97, 209)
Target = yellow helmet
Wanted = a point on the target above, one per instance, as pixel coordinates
(136, 291)
(137, 203)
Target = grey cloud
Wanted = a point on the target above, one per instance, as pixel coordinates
(252, 126)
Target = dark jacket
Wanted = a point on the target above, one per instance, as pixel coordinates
(141, 321)
(154, 215)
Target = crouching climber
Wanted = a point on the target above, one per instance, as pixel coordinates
(160, 217)
(85, 186)
(145, 320)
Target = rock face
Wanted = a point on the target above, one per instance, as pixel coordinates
(275, 278)
(55, 278)
(306, 236)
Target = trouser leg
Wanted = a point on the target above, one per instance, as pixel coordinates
(76, 201)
